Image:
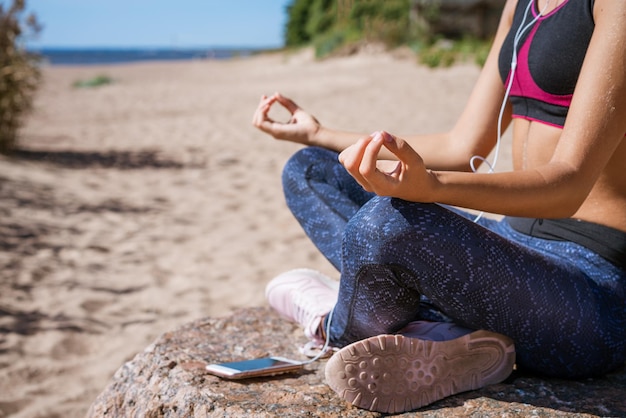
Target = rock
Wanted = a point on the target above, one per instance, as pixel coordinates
(168, 380)
(457, 18)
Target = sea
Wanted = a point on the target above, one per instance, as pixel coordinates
(97, 56)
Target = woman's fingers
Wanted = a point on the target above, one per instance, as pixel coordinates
(260, 114)
(368, 168)
(352, 158)
(289, 104)
(379, 175)
(261, 118)
(383, 177)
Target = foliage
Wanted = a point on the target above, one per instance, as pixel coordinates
(321, 17)
(330, 25)
(444, 53)
(332, 41)
(97, 81)
(19, 71)
(386, 21)
(295, 31)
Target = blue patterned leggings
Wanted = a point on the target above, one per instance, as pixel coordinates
(563, 305)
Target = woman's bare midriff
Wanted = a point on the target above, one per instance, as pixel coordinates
(533, 145)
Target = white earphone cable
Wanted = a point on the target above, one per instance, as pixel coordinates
(523, 27)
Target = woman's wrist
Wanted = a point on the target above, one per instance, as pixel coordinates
(317, 137)
(434, 186)
(332, 139)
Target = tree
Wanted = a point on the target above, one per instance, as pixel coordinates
(298, 15)
(330, 24)
(19, 71)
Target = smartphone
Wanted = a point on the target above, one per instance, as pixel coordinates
(267, 366)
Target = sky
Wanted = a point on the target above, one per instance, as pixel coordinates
(159, 23)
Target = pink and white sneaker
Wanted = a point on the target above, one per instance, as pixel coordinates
(399, 373)
(304, 296)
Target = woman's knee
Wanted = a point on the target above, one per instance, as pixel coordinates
(374, 227)
(300, 162)
(296, 170)
(368, 221)
(385, 218)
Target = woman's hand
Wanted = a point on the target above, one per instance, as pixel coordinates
(300, 128)
(407, 178)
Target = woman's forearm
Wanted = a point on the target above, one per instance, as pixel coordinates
(334, 139)
(436, 149)
(550, 191)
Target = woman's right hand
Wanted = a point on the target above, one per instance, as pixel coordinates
(300, 128)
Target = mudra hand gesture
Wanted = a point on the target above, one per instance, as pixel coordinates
(300, 128)
(406, 178)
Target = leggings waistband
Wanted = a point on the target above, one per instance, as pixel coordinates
(607, 242)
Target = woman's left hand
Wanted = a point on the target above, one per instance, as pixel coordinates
(407, 178)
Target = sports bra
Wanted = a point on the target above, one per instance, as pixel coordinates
(550, 55)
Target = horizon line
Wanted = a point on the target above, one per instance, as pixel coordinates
(170, 47)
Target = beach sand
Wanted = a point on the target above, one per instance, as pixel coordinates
(138, 206)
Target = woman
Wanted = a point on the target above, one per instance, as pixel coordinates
(431, 298)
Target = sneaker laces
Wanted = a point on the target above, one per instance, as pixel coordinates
(315, 349)
(308, 313)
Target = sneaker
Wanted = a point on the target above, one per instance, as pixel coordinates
(303, 296)
(396, 373)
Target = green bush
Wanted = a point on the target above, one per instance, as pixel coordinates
(335, 25)
(332, 24)
(321, 17)
(19, 71)
(333, 40)
(444, 53)
(386, 22)
(298, 15)
(97, 81)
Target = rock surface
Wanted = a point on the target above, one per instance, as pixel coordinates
(168, 380)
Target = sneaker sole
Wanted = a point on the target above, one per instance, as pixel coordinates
(393, 373)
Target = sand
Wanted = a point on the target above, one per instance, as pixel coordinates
(138, 206)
